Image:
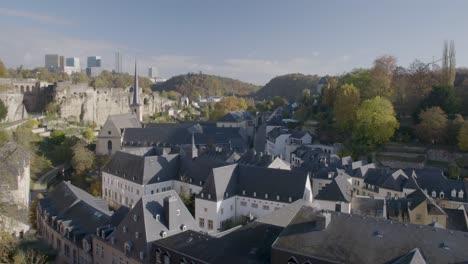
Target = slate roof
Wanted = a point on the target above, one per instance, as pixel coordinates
(171, 134)
(385, 178)
(143, 219)
(237, 116)
(127, 120)
(434, 180)
(338, 190)
(78, 210)
(357, 239)
(143, 169)
(236, 178)
(249, 244)
(254, 158)
(456, 219)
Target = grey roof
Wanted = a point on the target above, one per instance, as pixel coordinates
(413, 257)
(383, 178)
(237, 116)
(338, 190)
(122, 121)
(434, 180)
(256, 182)
(143, 169)
(81, 212)
(171, 134)
(356, 239)
(254, 158)
(248, 244)
(143, 219)
(457, 219)
(368, 206)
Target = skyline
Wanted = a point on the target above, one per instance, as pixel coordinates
(252, 42)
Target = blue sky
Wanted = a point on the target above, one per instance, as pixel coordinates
(249, 40)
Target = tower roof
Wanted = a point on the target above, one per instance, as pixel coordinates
(135, 100)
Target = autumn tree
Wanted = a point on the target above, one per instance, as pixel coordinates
(329, 93)
(346, 105)
(226, 105)
(3, 70)
(381, 76)
(82, 158)
(463, 137)
(433, 125)
(448, 64)
(375, 122)
(88, 134)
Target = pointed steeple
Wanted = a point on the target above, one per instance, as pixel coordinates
(135, 101)
(194, 148)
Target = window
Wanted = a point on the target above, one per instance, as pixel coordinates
(254, 205)
(243, 192)
(206, 209)
(137, 235)
(254, 194)
(209, 196)
(277, 208)
(266, 207)
(158, 256)
(226, 195)
(210, 224)
(138, 192)
(389, 194)
(266, 195)
(167, 258)
(441, 195)
(108, 132)
(152, 191)
(127, 248)
(277, 197)
(460, 194)
(290, 199)
(222, 210)
(201, 222)
(337, 207)
(243, 203)
(454, 193)
(418, 217)
(232, 207)
(434, 194)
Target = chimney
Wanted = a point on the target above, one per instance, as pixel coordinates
(323, 220)
(170, 212)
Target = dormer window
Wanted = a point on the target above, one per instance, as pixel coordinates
(201, 182)
(183, 227)
(158, 179)
(254, 194)
(163, 234)
(142, 255)
(190, 180)
(137, 235)
(441, 195)
(460, 194)
(209, 196)
(277, 197)
(127, 248)
(178, 212)
(243, 192)
(454, 193)
(266, 195)
(201, 195)
(290, 199)
(124, 229)
(433, 194)
(135, 217)
(226, 194)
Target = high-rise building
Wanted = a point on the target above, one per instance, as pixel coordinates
(94, 66)
(94, 61)
(52, 61)
(72, 65)
(118, 62)
(73, 62)
(152, 72)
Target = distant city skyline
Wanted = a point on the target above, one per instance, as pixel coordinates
(245, 40)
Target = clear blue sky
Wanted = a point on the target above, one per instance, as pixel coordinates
(248, 40)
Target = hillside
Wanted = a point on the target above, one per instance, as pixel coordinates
(193, 85)
(289, 86)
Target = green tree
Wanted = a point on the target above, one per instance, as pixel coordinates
(4, 137)
(448, 64)
(463, 137)
(3, 110)
(346, 105)
(433, 125)
(360, 78)
(444, 97)
(88, 134)
(375, 123)
(57, 137)
(82, 159)
(3, 70)
(454, 128)
(226, 105)
(454, 171)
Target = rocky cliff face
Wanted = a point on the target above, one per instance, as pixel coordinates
(14, 103)
(94, 105)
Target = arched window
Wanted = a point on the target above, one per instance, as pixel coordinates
(441, 195)
(22, 88)
(109, 145)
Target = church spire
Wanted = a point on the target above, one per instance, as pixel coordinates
(135, 101)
